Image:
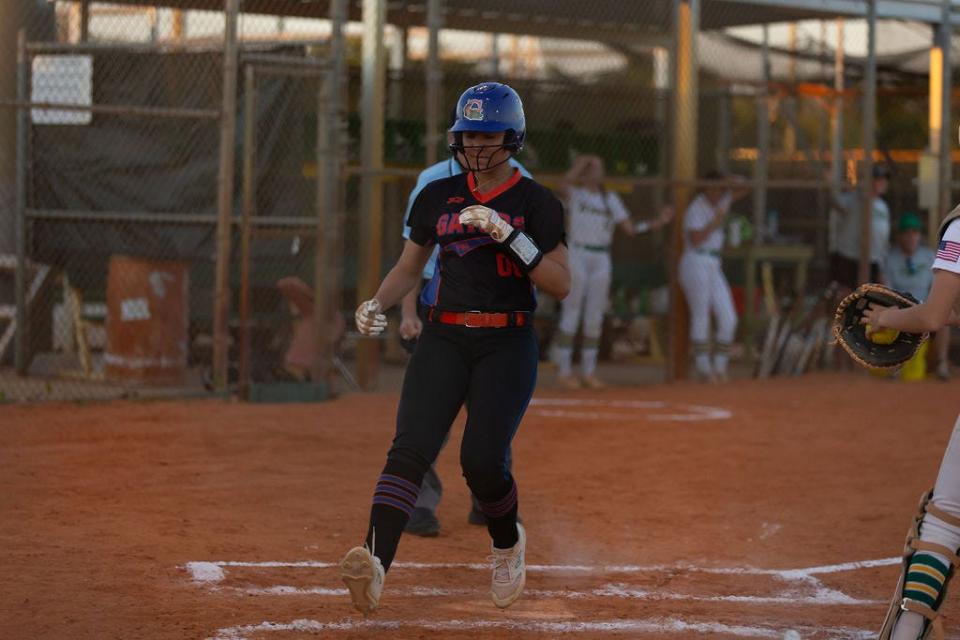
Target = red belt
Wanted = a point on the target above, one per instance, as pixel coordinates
(479, 319)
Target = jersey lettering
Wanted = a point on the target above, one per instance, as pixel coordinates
(449, 224)
(506, 268)
(454, 226)
(477, 272)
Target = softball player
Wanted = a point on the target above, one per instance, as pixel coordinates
(423, 521)
(930, 553)
(593, 212)
(848, 208)
(500, 236)
(702, 279)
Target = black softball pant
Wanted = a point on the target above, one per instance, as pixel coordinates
(493, 371)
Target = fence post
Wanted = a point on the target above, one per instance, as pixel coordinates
(326, 285)
(228, 121)
(434, 73)
(683, 169)
(868, 133)
(371, 192)
(20, 214)
(249, 209)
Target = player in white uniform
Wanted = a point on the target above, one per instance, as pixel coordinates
(930, 556)
(702, 279)
(848, 207)
(593, 214)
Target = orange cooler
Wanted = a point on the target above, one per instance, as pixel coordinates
(147, 303)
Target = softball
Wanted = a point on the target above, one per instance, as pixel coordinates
(882, 336)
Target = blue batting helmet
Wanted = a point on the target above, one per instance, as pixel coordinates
(490, 107)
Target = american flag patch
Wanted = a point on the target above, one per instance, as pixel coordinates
(949, 251)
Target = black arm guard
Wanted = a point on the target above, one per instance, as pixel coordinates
(523, 250)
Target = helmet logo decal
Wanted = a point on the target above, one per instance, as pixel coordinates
(473, 110)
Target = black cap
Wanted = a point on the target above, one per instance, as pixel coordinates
(881, 171)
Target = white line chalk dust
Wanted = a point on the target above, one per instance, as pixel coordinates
(568, 408)
(204, 571)
(651, 625)
(805, 589)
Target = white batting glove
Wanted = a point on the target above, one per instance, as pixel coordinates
(370, 322)
(487, 220)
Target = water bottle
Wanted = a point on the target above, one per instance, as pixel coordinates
(734, 236)
(773, 224)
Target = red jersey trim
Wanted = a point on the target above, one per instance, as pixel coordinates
(484, 198)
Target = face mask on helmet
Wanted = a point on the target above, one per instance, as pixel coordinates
(488, 108)
(483, 157)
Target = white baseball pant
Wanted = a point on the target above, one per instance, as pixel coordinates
(590, 272)
(708, 292)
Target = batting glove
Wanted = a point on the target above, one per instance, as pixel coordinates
(519, 245)
(487, 220)
(370, 322)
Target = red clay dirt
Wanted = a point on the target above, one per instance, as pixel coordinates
(102, 507)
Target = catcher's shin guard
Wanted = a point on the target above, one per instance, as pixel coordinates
(933, 626)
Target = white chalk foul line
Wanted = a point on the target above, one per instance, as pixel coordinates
(681, 412)
(651, 625)
(822, 596)
(213, 571)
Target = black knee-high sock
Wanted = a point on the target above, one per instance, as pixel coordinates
(393, 502)
(502, 517)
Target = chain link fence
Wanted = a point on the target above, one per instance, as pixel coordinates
(131, 151)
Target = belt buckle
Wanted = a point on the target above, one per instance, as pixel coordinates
(466, 320)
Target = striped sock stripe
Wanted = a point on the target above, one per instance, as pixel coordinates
(394, 491)
(390, 502)
(400, 482)
(925, 578)
(563, 339)
(722, 347)
(931, 573)
(701, 347)
(502, 506)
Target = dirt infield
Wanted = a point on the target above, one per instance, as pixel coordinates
(743, 510)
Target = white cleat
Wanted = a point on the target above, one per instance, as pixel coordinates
(509, 571)
(363, 574)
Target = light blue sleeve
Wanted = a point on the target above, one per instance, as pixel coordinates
(421, 183)
(428, 175)
(890, 268)
(523, 170)
(430, 268)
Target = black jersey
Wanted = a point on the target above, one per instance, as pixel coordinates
(473, 272)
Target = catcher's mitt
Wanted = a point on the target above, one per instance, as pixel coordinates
(851, 334)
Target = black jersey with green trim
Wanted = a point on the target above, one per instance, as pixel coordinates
(474, 272)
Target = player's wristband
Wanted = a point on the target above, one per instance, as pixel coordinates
(523, 250)
(642, 227)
